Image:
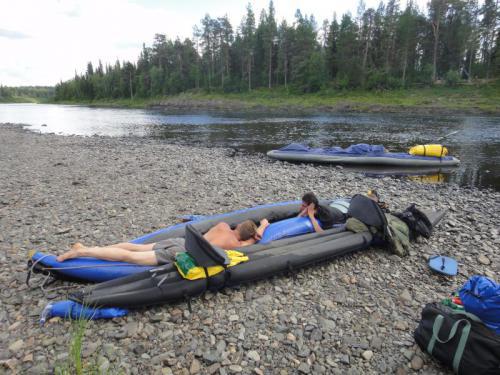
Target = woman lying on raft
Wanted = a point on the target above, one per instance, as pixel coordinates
(317, 213)
(220, 235)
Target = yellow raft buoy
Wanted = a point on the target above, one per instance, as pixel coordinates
(429, 150)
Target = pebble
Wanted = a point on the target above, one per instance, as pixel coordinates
(483, 259)
(376, 343)
(367, 355)
(405, 296)
(417, 363)
(235, 368)
(353, 315)
(253, 355)
(304, 368)
(195, 367)
(103, 364)
(234, 318)
(401, 325)
(344, 358)
(14, 326)
(16, 346)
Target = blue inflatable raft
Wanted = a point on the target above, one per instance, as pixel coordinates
(97, 270)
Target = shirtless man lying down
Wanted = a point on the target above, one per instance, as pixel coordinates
(221, 235)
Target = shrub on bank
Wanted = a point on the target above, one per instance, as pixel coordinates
(452, 78)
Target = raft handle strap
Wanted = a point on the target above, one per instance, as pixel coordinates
(155, 269)
(162, 280)
(48, 279)
(291, 270)
(188, 301)
(32, 266)
(227, 275)
(28, 276)
(205, 269)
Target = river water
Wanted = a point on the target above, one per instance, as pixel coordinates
(476, 144)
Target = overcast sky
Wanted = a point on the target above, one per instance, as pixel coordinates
(45, 41)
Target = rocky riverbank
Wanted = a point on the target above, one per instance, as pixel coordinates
(354, 315)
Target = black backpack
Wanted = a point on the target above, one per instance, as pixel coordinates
(417, 221)
(459, 340)
(369, 213)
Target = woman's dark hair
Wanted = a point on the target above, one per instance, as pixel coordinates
(309, 198)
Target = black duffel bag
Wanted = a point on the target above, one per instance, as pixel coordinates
(459, 340)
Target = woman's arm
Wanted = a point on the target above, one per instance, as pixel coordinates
(310, 213)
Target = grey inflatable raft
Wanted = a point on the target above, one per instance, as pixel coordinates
(335, 155)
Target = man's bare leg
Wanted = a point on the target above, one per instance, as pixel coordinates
(122, 245)
(147, 258)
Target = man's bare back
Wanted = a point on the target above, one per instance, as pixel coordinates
(223, 236)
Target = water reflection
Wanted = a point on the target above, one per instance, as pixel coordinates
(477, 144)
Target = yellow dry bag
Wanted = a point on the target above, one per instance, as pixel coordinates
(429, 150)
(188, 269)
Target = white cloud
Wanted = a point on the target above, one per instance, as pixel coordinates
(43, 42)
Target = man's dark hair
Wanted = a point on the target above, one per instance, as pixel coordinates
(247, 230)
(309, 198)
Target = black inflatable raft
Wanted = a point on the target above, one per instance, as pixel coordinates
(165, 284)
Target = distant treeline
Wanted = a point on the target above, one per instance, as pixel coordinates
(388, 47)
(38, 92)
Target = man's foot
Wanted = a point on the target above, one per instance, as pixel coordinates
(68, 255)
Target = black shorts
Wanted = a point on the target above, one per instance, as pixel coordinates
(166, 250)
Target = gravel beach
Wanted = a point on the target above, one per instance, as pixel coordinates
(354, 315)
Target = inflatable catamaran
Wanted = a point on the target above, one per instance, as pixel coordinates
(288, 253)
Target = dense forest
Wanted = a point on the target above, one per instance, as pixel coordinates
(389, 47)
(36, 92)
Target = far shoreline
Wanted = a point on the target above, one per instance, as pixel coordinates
(228, 105)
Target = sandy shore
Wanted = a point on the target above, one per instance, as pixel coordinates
(354, 315)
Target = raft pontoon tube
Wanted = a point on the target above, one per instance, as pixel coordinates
(365, 155)
(164, 284)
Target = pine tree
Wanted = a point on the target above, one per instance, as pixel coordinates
(437, 11)
(271, 40)
(285, 36)
(367, 24)
(248, 36)
(331, 51)
(348, 55)
(489, 25)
